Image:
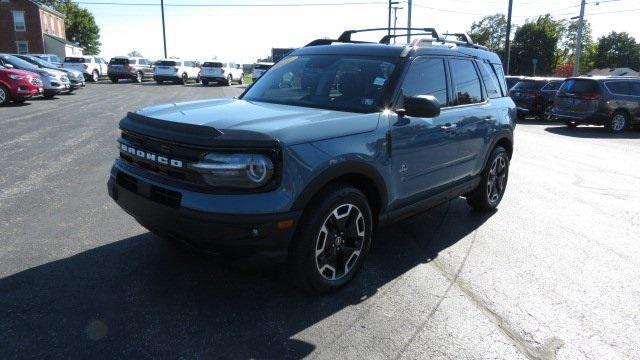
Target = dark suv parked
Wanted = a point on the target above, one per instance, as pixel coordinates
(610, 101)
(131, 68)
(334, 139)
(534, 96)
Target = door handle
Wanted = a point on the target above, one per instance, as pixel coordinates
(448, 126)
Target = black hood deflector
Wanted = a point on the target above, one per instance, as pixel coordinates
(195, 135)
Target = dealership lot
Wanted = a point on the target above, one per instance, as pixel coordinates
(554, 273)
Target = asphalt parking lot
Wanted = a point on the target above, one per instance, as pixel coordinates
(554, 273)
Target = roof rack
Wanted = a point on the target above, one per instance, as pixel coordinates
(463, 38)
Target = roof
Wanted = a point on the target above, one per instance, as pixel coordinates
(625, 71)
(64, 41)
(47, 8)
(397, 50)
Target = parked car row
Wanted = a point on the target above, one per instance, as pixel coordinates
(24, 76)
(613, 102)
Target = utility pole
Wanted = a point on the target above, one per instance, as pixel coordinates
(389, 23)
(507, 42)
(164, 36)
(576, 66)
(395, 20)
(409, 3)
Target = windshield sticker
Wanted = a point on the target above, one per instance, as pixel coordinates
(379, 81)
(285, 61)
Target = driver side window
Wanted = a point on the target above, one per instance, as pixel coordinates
(427, 76)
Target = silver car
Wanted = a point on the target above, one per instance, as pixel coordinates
(76, 78)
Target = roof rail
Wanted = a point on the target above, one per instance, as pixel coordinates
(462, 37)
(318, 42)
(346, 36)
(387, 38)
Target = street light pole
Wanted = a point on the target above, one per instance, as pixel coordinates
(409, 3)
(164, 36)
(391, 3)
(395, 20)
(576, 66)
(507, 42)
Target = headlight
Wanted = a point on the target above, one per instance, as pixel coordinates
(244, 171)
(17, 77)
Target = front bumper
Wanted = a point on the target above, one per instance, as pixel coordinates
(121, 75)
(166, 78)
(159, 209)
(214, 78)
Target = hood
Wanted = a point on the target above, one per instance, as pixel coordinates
(287, 124)
(18, 72)
(57, 73)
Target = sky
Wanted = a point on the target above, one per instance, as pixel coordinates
(244, 32)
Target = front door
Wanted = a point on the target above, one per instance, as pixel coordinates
(424, 151)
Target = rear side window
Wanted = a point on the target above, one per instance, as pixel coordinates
(212, 64)
(466, 82)
(427, 77)
(490, 81)
(166, 63)
(624, 87)
(77, 60)
(580, 86)
(502, 81)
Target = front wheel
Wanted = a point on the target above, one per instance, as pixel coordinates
(332, 240)
(184, 79)
(4, 95)
(95, 76)
(114, 80)
(618, 122)
(139, 77)
(493, 183)
(241, 81)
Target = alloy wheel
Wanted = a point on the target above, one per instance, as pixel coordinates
(3, 96)
(340, 242)
(618, 122)
(497, 179)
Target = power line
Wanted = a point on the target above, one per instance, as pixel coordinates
(231, 5)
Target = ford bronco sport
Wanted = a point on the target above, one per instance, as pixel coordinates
(336, 138)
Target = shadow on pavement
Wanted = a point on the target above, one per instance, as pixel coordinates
(594, 132)
(141, 297)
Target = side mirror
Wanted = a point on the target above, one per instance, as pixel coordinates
(8, 66)
(425, 106)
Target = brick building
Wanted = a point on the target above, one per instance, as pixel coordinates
(26, 26)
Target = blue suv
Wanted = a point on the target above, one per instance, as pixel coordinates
(335, 139)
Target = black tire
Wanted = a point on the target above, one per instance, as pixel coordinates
(546, 115)
(229, 80)
(184, 78)
(48, 95)
(95, 76)
(114, 80)
(205, 82)
(159, 82)
(5, 96)
(493, 182)
(19, 101)
(618, 122)
(571, 125)
(310, 270)
(139, 77)
(241, 81)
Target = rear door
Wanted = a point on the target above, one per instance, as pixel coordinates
(472, 113)
(423, 150)
(625, 95)
(166, 67)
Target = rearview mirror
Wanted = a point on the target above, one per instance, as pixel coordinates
(426, 106)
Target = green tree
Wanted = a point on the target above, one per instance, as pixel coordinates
(537, 39)
(490, 31)
(80, 25)
(568, 45)
(617, 50)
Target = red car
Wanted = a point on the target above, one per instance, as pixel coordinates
(18, 85)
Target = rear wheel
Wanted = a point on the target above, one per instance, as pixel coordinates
(229, 80)
(5, 97)
(95, 76)
(184, 78)
(205, 82)
(332, 240)
(139, 77)
(617, 122)
(547, 112)
(493, 183)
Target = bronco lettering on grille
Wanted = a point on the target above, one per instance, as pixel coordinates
(150, 156)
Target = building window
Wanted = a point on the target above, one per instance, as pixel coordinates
(22, 47)
(18, 21)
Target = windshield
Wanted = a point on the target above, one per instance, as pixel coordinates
(529, 85)
(337, 82)
(38, 61)
(79, 60)
(212, 64)
(121, 61)
(19, 63)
